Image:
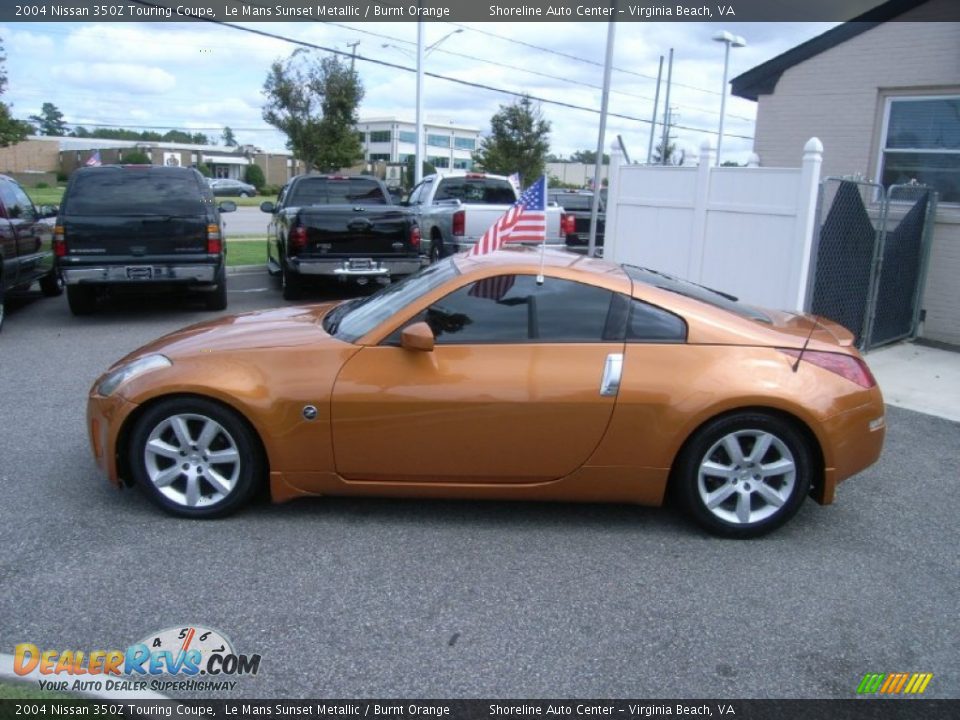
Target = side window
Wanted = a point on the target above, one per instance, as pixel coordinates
(16, 201)
(515, 309)
(650, 324)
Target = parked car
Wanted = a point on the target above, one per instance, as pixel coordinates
(338, 226)
(471, 379)
(26, 247)
(140, 227)
(229, 187)
(454, 209)
(579, 204)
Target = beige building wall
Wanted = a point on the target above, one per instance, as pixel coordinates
(839, 96)
(30, 156)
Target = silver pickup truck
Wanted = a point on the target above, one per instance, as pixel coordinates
(454, 210)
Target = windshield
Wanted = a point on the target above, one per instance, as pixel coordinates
(135, 191)
(353, 319)
(476, 190)
(716, 298)
(336, 191)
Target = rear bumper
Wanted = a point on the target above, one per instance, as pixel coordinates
(858, 436)
(140, 274)
(358, 267)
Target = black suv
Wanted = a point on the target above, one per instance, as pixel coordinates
(140, 226)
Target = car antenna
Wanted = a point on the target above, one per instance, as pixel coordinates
(805, 343)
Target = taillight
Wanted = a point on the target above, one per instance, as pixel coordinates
(59, 241)
(214, 241)
(298, 239)
(848, 366)
(415, 236)
(568, 224)
(459, 223)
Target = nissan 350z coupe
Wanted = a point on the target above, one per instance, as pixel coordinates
(510, 376)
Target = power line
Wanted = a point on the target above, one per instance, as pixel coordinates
(458, 81)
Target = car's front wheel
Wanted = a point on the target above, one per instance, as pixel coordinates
(195, 457)
(744, 475)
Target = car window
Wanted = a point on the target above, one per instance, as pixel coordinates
(336, 191)
(16, 202)
(516, 309)
(486, 191)
(134, 191)
(646, 323)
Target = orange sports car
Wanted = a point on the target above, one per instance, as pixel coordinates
(514, 375)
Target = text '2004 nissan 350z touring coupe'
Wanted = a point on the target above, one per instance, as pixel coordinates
(512, 375)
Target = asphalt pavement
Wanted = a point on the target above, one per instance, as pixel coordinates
(390, 598)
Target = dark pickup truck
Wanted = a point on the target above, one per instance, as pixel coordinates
(140, 227)
(338, 226)
(26, 252)
(579, 204)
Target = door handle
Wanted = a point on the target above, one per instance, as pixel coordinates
(612, 370)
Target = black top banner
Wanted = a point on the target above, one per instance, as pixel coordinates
(892, 709)
(478, 10)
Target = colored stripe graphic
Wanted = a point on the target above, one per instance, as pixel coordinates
(894, 683)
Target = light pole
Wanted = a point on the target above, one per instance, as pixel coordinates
(729, 40)
(421, 54)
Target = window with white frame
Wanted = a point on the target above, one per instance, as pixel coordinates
(921, 142)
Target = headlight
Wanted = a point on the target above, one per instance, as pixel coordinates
(119, 376)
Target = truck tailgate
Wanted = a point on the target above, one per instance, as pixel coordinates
(349, 231)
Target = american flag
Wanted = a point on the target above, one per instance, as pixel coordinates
(524, 222)
(94, 160)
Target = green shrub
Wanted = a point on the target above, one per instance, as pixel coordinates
(205, 170)
(253, 174)
(41, 186)
(136, 158)
(61, 177)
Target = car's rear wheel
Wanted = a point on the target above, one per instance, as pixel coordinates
(51, 284)
(217, 299)
(195, 458)
(3, 306)
(436, 248)
(292, 288)
(82, 299)
(744, 475)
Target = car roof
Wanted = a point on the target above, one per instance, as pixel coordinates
(527, 260)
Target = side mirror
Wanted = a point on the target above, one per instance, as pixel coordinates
(267, 206)
(48, 211)
(227, 206)
(418, 336)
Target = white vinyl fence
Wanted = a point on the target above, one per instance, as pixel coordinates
(747, 231)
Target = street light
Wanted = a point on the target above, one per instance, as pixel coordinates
(426, 51)
(421, 54)
(729, 40)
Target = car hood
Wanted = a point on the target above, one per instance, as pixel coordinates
(282, 327)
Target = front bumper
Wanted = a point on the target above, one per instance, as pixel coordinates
(105, 418)
(358, 267)
(137, 273)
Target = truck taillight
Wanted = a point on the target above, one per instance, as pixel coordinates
(298, 239)
(459, 223)
(568, 224)
(214, 241)
(59, 241)
(415, 236)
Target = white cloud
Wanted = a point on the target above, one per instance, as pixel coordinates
(123, 77)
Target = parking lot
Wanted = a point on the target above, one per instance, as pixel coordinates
(363, 598)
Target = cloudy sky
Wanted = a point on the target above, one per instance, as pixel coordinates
(200, 76)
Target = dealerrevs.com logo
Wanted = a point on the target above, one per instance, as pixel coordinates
(189, 658)
(894, 683)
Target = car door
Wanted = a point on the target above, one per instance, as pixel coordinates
(25, 256)
(519, 387)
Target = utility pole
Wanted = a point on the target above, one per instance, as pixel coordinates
(353, 53)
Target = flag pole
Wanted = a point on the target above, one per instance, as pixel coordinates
(543, 242)
(598, 166)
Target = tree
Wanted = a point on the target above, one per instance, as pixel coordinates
(411, 164)
(672, 157)
(588, 157)
(314, 103)
(136, 157)
(253, 174)
(228, 137)
(518, 142)
(50, 121)
(11, 130)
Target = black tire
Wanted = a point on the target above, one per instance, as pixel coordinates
(740, 494)
(291, 284)
(3, 304)
(82, 299)
(244, 194)
(217, 300)
(51, 284)
(188, 484)
(436, 249)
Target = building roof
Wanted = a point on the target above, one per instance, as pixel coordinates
(762, 80)
(66, 142)
(403, 121)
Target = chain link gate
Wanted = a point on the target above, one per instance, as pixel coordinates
(869, 257)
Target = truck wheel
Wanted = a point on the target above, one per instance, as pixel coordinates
(2, 305)
(51, 284)
(436, 249)
(291, 285)
(217, 300)
(82, 299)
